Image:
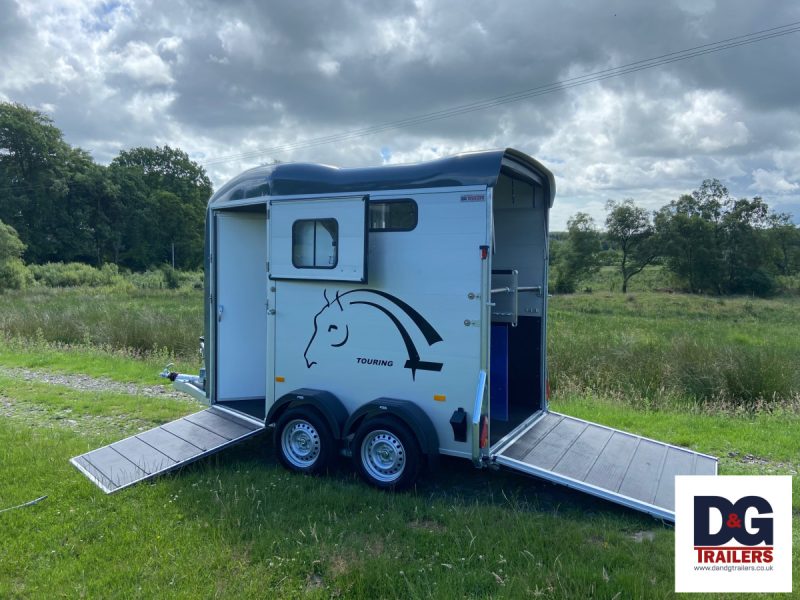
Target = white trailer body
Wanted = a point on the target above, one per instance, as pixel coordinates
(390, 314)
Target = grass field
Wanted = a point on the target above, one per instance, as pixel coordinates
(223, 527)
(138, 322)
(652, 348)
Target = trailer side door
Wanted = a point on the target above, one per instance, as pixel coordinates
(319, 239)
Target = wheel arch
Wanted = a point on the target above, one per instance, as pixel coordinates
(407, 412)
(326, 404)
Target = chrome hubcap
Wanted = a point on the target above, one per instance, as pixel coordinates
(300, 443)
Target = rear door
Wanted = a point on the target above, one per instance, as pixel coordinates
(615, 465)
(319, 239)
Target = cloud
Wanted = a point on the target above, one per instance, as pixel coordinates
(143, 64)
(223, 78)
(772, 182)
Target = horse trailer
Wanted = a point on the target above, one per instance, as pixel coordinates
(390, 314)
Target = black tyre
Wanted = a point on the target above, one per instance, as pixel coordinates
(303, 441)
(387, 454)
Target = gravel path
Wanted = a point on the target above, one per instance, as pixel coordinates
(86, 383)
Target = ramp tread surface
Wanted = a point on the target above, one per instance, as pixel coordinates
(616, 465)
(163, 448)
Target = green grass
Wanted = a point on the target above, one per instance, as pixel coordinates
(140, 322)
(237, 525)
(684, 347)
(230, 515)
(609, 279)
(669, 348)
(123, 365)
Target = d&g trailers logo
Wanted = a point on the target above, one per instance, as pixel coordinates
(755, 540)
(733, 534)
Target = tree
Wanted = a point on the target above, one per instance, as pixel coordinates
(716, 243)
(32, 167)
(630, 229)
(10, 245)
(689, 233)
(579, 254)
(164, 195)
(65, 207)
(745, 247)
(12, 270)
(784, 241)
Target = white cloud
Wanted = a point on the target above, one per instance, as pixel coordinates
(149, 107)
(239, 41)
(329, 67)
(169, 44)
(706, 120)
(772, 182)
(223, 78)
(141, 63)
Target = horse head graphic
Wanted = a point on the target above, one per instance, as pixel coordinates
(334, 322)
(330, 327)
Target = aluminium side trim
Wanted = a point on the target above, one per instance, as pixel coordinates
(239, 415)
(477, 412)
(91, 477)
(512, 436)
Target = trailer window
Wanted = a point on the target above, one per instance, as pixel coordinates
(392, 215)
(314, 243)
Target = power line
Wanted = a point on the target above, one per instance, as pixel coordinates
(479, 105)
(640, 65)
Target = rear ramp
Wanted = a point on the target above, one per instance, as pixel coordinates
(165, 448)
(621, 467)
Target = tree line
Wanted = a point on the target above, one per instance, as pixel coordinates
(710, 241)
(146, 207)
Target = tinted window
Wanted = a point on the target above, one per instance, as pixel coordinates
(315, 243)
(392, 215)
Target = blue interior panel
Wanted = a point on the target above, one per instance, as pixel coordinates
(499, 373)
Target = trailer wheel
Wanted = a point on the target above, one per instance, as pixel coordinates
(387, 454)
(303, 442)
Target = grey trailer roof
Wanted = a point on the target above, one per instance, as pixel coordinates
(473, 168)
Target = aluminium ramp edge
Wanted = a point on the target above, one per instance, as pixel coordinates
(621, 467)
(165, 448)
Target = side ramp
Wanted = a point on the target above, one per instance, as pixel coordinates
(164, 448)
(621, 467)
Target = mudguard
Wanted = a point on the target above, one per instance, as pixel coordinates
(328, 405)
(407, 412)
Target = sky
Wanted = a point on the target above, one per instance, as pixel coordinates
(234, 82)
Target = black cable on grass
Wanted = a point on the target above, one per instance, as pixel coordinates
(31, 503)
